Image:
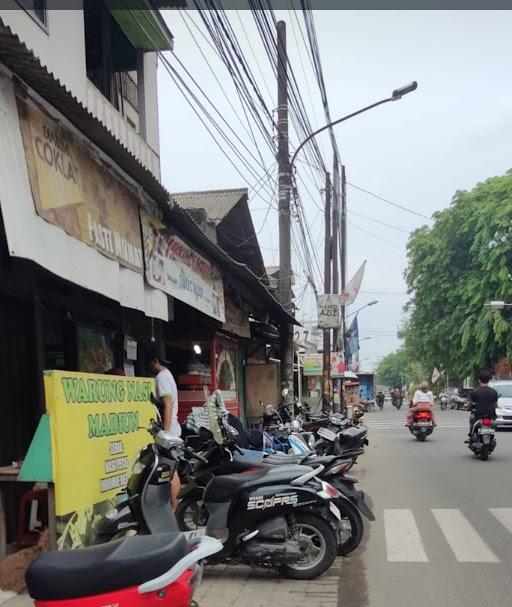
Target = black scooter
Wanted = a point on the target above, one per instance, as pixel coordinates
(482, 439)
(227, 458)
(281, 517)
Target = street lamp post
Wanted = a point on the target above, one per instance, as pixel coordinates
(395, 96)
(497, 305)
(370, 303)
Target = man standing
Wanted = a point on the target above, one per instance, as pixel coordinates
(483, 400)
(167, 396)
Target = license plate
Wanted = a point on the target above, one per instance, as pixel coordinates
(335, 510)
(485, 431)
(423, 423)
(327, 434)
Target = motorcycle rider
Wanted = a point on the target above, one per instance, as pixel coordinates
(422, 400)
(483, 400)
(380, 398)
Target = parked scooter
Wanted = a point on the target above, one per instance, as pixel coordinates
(281, 517)
(443, 402)
(155, 570)
(227, 458)
(482, 439)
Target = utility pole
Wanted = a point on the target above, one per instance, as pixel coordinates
(335, 264)
(284, 187)
(326, 375)
(343, 252)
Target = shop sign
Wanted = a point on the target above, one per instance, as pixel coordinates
(312, 365)
(237, 320)
(328, 311)
(173, 267)
(97, 430)
(76, 192)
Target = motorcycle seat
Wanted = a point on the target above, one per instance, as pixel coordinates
(123, 563)
(223, 488)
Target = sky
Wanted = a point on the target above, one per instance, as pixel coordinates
(452, 133)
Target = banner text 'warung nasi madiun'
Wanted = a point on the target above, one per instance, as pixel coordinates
(97, 427)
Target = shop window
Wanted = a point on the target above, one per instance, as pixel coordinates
(35, 8)
(112, 61)
(96, 350)
(190, 364)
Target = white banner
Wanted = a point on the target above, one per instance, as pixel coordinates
(352, 289)
(328, 311)
(173, 267)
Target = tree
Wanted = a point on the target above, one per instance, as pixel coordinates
(454, 266)
(399, 368)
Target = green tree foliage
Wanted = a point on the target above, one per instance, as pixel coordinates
(454, 266)
(399, 368)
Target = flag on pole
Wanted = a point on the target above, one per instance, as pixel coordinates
(435, 375)
(352, 339)
(349, 295)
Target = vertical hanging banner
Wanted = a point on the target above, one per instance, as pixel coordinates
(175, 268)
(352, 289)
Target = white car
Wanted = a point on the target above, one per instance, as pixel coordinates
(504, 408)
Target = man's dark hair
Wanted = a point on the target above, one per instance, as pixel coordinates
(485, 377)
(155, 354)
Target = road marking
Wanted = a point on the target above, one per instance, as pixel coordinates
(464, 541)
(504, 516)
(403, 540)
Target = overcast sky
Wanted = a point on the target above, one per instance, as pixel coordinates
(453, 132)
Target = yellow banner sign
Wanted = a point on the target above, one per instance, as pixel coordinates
(98, 427)
(73, 191)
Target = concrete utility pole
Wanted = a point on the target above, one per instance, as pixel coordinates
(335, 240)
(326, 375)
(284, 186)
(343, 252)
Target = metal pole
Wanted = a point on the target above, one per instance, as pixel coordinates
(284, 185)
(299, 379)
(326, 383)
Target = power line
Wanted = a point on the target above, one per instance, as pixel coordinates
(394, 204)
(391, 244)
(382, 223)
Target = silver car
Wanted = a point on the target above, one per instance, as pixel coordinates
(504, 408)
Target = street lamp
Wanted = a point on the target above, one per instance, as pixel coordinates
(497, 305)
(370, 303)
(364, 339)
(395, 96)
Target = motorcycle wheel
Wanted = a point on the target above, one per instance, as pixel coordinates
(191, 515)
(484, 453)
(352, 528)
(421, 437)
(321, 552)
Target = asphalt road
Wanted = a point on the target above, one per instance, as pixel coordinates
(443, 529)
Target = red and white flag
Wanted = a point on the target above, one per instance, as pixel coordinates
(352, 289)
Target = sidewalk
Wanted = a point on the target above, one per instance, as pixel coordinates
(239, 586)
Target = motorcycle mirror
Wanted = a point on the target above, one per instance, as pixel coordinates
(284, 393)
(269, 410)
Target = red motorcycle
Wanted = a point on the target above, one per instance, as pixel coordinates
(422, 425)
(139, 571)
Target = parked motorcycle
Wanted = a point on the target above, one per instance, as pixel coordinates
(225, 459)
(422, 425)
(281, 517)
(482, 440)
(154, 570)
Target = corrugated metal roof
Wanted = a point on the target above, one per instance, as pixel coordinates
(216, 203)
